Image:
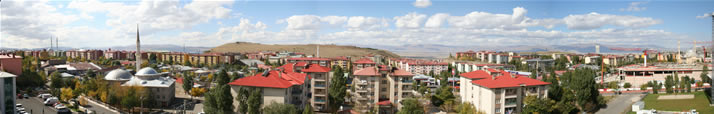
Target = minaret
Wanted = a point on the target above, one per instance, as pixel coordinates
(51, 43)
(318, 50)
(57, 43)
(138, 50)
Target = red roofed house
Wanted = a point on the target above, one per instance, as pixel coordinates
(497, 92)
(290, 84)
(362, 63)
(382, 86)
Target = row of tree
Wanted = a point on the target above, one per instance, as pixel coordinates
(574, 91)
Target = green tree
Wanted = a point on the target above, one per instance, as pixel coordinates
(255, 101)
(581, 83)
(308, 109)
(554, 89)
(627, 85)
(337, 89)
(656, 87)
(705, 75)
(411, 106)
(538, 105)
(280, 108)
(468, 108)
(187, 82)
(676, 83)
(242, 97)
(668, 83)
(56, 80)
(219, 99)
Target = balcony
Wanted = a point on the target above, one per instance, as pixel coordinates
(408, 81)
(319, 79)
(320, 86)
(320, 100)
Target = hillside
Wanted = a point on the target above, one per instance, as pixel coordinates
(309, 49)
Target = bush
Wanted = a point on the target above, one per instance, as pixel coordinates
(627, 85)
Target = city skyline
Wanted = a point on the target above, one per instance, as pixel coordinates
(31, 24)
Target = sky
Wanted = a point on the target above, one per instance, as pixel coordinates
(100, 23)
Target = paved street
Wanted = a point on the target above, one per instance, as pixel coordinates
(34, 106)
(620, 104)
(98, 109)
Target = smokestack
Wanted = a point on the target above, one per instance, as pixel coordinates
(138, 50)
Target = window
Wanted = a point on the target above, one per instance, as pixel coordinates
(498, 110)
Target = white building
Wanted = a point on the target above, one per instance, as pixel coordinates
(499, 92)
(161, 88)
(7, 93)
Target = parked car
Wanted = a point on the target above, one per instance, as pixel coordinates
(19, 96)
(58, 106)
(51, 101)
(18, 105)
(64, 111)
(25, 96)
(44, 96)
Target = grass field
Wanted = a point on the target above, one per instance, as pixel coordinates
(700, 102)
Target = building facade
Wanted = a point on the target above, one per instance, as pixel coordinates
(381, 86)
(7, 93)
(499, 92)
(11, 63)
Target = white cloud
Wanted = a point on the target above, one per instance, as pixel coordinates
(635, 6)
(706, 15)
(422, 3)
(409, 21)
(436, 20)
(485, 20)
(155, 16)
(595, 20)
(366, 23)
(32, 19)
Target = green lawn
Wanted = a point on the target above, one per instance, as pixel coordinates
(700, 102)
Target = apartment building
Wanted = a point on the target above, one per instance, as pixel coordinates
(499, 92)
(312, 60)
(381, 86)
(468, 67)
(7, 93)
(299, 83)
(114, 54)
(469, 53)
(11, 63)
(416, 66)
(341, 61)
(363, 63)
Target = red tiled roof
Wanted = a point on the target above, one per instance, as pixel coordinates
(309, 59)
(508, 81)
(475, 74)
(316, 68)
(270, 81)
(493, 70)
(368, 71)
(301, 64)
(364, 61)
(383, 103)
(341, 58)
(383, 68)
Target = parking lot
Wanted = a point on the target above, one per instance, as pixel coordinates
(35, 106)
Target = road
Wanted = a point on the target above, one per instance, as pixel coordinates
(34, 106)
(97, 108)
(620, 104)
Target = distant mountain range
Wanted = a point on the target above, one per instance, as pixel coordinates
(414, 50)
(438, 50)
(147, 47)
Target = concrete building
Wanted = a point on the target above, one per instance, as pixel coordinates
(161, 87)
(363, 63)
(7, 93)
(468, 67)
(76, 69)
(312, 60)
(540, 63)
(499, 92)
(638, 74)
(11, 63)
(416, 66)
(114, 54)
(470, 54)
(277, 86)
(381, 86)
(341, 61)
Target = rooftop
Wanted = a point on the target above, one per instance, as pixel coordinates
(6, 75)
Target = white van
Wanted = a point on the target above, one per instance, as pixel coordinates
(50, 101)
(44, 96)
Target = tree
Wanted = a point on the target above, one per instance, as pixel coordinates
(411, 106)
(255, 101)
(676, 83)
(705, 75)
(656, 87)
(187, 82)
(280, 108)
(627, 85)
(688, 83)
(56, 80)
(554, 89)
(468, 108)
(219, 99)
(581, 83)
(538, 105)
(197, 92)
(90, 73)
(668, 83)
(67, 94)
(308, 110)
(448, 106)
(242, 97)
(337, 89)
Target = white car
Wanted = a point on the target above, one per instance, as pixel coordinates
(20, 109)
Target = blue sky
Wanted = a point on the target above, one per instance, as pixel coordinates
(92, 23)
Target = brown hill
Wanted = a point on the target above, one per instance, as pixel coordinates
(309, 49)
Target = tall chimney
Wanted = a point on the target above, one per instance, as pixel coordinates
(138, 50)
